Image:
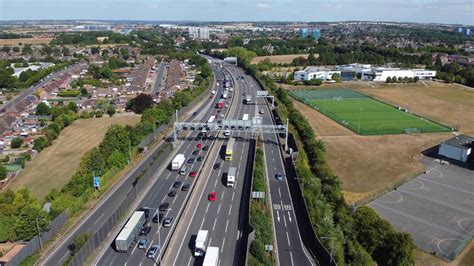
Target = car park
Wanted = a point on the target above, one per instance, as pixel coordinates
(212, 196)
(142, 244)
(153, 251)
(168, 221)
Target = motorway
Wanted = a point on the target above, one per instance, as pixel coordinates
(159, 192)
(105, 208)
(224, 217)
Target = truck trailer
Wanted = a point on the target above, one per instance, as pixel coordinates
(212, 257)
(201, 243)
(231, 174)
(177, 162)
(130, 231)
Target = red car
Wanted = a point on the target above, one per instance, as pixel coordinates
(212, 196)
(199, 145)
(193, 174)
(212, 96)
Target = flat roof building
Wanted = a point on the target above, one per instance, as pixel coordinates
(310, 73)
(458, 148)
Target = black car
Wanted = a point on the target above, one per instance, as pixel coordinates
(199, 159)
(145, 230)
(217, 166)
(205, 148)
(176, 184)
(157, 217)
(185, 187)
(146, 210)
(172, 193)
(164, 206)
(191, 160)
(196, 152)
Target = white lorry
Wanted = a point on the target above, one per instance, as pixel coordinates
(248, 99)
(201, 243)
(130, 231)
(231, 176)
(212, 257)
(177, 162)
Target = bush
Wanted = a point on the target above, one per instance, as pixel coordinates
(16, 143)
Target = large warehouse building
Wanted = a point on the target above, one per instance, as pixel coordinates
(458, 148)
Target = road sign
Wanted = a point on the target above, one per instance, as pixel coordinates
(96, 182)
(262, 93)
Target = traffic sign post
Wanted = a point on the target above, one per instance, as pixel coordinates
(97, 182)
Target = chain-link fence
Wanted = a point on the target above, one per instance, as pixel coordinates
(34, 244)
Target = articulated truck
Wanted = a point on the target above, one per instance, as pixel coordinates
(201, 243)
(212, 257)
(130, 231)
(177, 162)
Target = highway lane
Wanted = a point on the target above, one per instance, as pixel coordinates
(223, 217)
(158, 195)
(110, 202)
(290, 247)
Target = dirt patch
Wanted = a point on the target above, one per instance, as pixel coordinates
(23, 41)
(279, 59)
(55, 165)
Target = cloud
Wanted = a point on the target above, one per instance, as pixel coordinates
(263, 5)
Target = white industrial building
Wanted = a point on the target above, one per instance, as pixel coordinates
(382, 73)
(458, 148)
(199, 33)
(310, 73)
(356, 67)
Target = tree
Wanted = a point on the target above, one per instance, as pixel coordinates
(394, 79)
(416, 79)
(140, 103)
(95, 50)
(72, 106)
(16, 143)
(111, 110)
(40, 143)
(388, 80)
(3, 172)
(312, 59)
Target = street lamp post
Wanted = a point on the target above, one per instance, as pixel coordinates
(39, 237)
(332, 242)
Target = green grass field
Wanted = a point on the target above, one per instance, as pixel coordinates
(366, 116)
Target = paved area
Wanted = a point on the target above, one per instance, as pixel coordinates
(436, 208)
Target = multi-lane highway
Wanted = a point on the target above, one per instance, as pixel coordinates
(159, 192)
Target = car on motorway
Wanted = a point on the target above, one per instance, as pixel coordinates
(185, 187)
(193, 174)
(196, 152)
(142, 244)
(145, 230)
(146, 210)
(172, 193)
(212, 196)
(195, 113)
(153, 251)
(262, 111)
(279, 176)
(226, 105)
(191, 160)
(205, 148)
(199, 159)
(222, 115)
(217, 166)
(164, 206)
(168, 221)
(199, 145)
(176, 184)
(157, 217)
(212, 96)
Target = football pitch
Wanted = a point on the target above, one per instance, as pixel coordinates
(366, 116)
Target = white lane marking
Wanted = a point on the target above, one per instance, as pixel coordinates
(125, 264)
(133, 250)
(202, 222)
(230, 209)
(291, 257)
(226, 225)
(189, 262)
(207, 208)
(215, 184)
(289, 216)
(218, 209)
(233, 195)
(288, 238)
(214, 226)
(99, 218)
(278, 216)
(279, 191)
(223, 244)
(284, 219)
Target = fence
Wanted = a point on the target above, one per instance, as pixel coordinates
(34, 243)
(249, 229)
(100, 235)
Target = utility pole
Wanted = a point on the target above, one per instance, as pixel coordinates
(286, 134)
(39, 237)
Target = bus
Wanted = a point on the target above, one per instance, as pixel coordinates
(245, 117)
(211, 119)
(229, 150)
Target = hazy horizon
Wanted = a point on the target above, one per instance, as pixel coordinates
(416, 11)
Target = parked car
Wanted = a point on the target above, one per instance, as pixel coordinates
(168, 221)
(212, 196)
(153, 251)
(142, 244)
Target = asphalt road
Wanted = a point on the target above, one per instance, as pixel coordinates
(110, 202)
(158, 85)
(159, 194)
(222, 218)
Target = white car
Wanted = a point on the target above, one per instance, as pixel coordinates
(262, 111)
(222, 115)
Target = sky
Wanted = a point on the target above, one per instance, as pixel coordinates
(423, 11)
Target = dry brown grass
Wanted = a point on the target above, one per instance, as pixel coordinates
(23, 41)
(466, 258)
(279, 59)
(55, 165)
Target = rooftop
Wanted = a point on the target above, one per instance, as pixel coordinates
(460, 141)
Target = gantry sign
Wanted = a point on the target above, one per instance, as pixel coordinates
(244, 126)
(264, 94)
